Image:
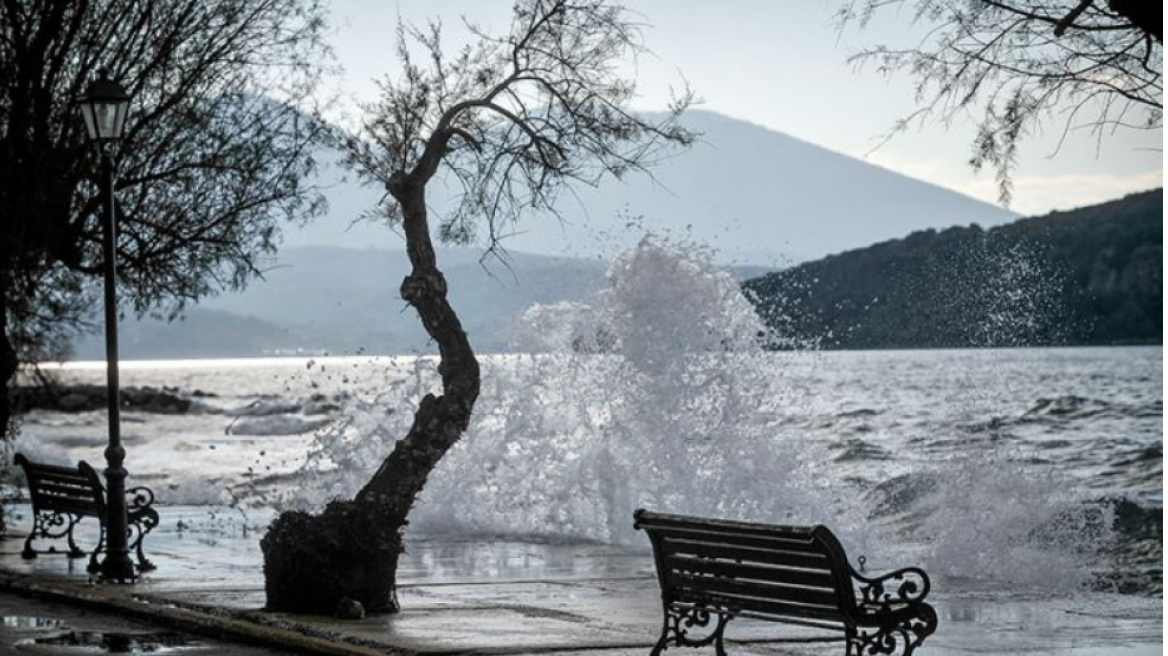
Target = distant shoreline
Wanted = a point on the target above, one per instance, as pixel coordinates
(281, 360)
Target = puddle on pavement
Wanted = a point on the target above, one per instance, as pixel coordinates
(94, 642)
(29, 622)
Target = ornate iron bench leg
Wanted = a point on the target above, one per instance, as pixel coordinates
(94, 566)
(74, 550)
(141, 526)
(680, 622)
(901, 638)
(42, 528)
(38, 528)
(142, 519)
(657, 648)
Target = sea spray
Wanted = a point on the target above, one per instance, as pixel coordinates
(997, 519)
(999, 513)
(657, 393)
(1016, 294)
(660, 392)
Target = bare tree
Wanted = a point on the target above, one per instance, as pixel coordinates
(1015, 64)
(217, 152)
(513, 120)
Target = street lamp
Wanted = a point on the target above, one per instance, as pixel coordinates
(104, 110)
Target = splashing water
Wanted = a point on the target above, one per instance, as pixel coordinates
(996, 515)
(660, 393)
(1020, 299)
(652, 395)
(998, 520)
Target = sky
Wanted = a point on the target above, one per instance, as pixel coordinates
(783, 64)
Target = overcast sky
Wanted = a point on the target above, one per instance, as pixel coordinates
(783, 64)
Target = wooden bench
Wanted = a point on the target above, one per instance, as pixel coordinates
(712, 571)
(62, 496)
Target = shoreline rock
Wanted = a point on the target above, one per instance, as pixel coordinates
(87, 398)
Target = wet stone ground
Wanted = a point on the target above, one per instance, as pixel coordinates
(511, 596)
(34, 626)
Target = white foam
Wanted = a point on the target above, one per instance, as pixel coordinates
(659, 393)
(655, 394)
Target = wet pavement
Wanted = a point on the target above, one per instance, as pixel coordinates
(490, 595)
(31, 625)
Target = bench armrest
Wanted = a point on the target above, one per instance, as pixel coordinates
(892, 590)
(138, 498)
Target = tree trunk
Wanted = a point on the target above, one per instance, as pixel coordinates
(8, 361)
(350, 550)
(1148, 16)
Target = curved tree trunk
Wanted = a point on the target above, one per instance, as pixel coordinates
(312, 563)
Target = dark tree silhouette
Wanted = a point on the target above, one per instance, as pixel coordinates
(512, 120)
(216, 153)
(1014, 64)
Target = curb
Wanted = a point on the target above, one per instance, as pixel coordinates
(241, 627)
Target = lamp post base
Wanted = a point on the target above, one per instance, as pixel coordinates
(118, 568)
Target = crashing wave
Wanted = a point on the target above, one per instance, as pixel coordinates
(660, 392)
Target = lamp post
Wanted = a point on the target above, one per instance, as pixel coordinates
(104, 110)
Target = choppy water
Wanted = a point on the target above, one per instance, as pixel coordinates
(956, 455)
(1029, 469)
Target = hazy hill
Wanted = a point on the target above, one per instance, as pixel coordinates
(1088, 276)
(346, 301)
(760, 196)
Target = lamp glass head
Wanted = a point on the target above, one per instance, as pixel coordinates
(104, 109)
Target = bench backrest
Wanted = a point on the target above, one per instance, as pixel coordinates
(795, 573)
(74, 490)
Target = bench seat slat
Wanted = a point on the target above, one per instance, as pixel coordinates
(62, 480)
(62, 487)
(746, 555)
(67, 506)
(53, 497)
(795, 594)
(66, 490)
(763, 606)
(797, 543)
(682, 564)
(49, 485)
(79, 481)
(40, 470)
(654, 520)
(70, 504)
(833, 624)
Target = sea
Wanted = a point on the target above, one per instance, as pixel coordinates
(1036, 468)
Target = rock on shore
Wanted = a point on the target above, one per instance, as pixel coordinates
(84, 398)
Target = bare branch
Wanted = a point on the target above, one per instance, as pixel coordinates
(1015, 64)
(551, 79)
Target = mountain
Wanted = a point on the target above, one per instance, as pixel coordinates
(759, 196)
(341, 300)
(200, 332)
(313, 300)
(1092, 275)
